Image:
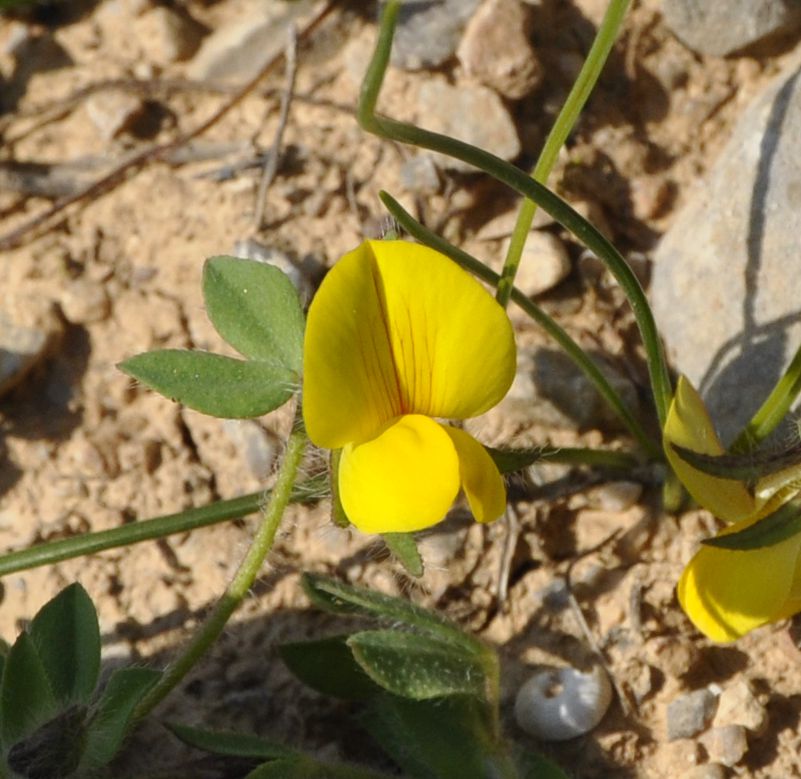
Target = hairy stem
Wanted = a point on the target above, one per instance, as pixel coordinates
(236, 591)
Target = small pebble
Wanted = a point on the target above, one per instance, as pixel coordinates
(21, 348)
(496, 49)
(689, 714)
(166, 36)
(726, 745)
(706, 771)
(614, 496)
(474, 114)
(723, 28)
(673, 655)
(85, 301)
(298, 273)
(503, 225)
(240, 48)
(258, 447)
(543, 263)
(738, 705)
(650, 196)
(113, 112)
(419, 175)
(429, 31)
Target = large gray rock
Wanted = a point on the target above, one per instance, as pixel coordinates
(721, 27)
(726, 285)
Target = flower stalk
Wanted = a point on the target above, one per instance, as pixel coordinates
(565, 121)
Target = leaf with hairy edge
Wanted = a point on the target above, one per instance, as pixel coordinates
(404, 550)
(26, 698)
(212, 383)
(340, 598)
(67, 638)
(328, 666)
(435, 739)
(112, 713)
(255, 308)
(230, 744)
(417, 666)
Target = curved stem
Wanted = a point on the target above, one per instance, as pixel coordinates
(146, 529)
(568, 345)
(579, 93)
(526, 186)
(774, 409)
(249, 569)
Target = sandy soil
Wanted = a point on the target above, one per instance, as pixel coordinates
(85, 449)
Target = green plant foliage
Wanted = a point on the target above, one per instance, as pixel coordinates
(255, 308)
(301, 767)
(26, 699)
(772, 529)
(404, 549)
(339, 598)
(111, 714)
(212, 383)
(435, 739)
(284, 763)
(328, 666)
(66, 635)
(52, 723)
(782, 467)
(533, 766)
(231, 744)
(418, 666)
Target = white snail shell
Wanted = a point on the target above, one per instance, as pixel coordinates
(557, 704)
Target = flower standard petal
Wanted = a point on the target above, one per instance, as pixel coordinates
(350, 388)
(404, 479)
(452, 344)
(727, 593)
(481, 481)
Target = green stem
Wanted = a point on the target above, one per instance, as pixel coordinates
(773, 410)
(598, 458)
(582, 89)
(526, 186)
(146, 530)
(236, 591)
(568, 345)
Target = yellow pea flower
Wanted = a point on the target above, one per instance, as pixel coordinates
(726, 592)
(397, 337)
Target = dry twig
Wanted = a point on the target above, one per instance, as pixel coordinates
(271, 163)
(575, 607)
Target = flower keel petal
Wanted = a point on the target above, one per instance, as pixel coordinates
(481, 481)
(403, 480)
(727, 593)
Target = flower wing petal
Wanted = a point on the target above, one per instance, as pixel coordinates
(481, 481)
(727, 593)
(404, 479)
(350, 389)
(452, 344)
(688, 425)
